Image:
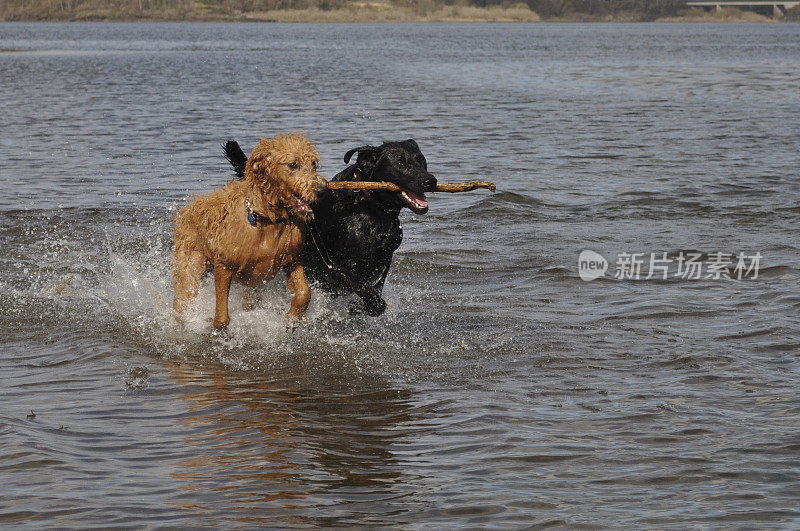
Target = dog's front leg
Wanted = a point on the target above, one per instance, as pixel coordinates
(299, 286)
(373, 303)
(222, 286)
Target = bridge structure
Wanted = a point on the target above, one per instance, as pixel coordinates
(778, 8)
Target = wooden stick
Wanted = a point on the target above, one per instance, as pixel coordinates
(465, 187)
(391, 187)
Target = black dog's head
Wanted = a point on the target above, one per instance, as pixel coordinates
(401, 163)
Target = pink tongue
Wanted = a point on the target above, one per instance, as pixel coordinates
(418, 200)
(302, 206)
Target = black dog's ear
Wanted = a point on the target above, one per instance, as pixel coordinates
(411, 143)
(236, 157)
(363, 151)
(413, 147)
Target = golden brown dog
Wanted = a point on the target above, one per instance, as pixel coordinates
(251, 228)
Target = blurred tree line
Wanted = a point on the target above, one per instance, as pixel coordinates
(60, 9)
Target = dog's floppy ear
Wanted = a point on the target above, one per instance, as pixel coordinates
(411, 143)
(259, 162)
(364, 152)
(235, 155)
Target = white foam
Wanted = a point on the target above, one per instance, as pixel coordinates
(140, 291)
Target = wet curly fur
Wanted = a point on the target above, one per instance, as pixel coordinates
(279, 183)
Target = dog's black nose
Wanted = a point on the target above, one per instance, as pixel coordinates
(429, 183)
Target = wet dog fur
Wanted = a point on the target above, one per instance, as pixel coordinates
(354, 234)
(251, 228)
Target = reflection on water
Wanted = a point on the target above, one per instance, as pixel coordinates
(289, 442)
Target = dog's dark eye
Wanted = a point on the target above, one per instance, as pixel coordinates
(292, 165)
(314, 164)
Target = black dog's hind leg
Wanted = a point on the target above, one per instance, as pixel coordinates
(236, 157)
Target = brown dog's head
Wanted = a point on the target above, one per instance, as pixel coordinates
(285, 169)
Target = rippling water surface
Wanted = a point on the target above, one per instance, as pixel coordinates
(499, 389)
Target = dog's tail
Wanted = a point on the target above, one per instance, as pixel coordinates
(236, 157)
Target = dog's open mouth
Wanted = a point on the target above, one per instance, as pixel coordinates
(415, 202)
(301, 206)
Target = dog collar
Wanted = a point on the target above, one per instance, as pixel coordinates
(254, 217)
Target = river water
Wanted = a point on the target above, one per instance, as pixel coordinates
(499, 389)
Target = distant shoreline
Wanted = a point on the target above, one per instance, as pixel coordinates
(355, 12)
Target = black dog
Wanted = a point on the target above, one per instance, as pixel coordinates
(350, 242)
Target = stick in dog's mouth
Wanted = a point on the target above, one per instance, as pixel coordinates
(441, 187)
(416, 202)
